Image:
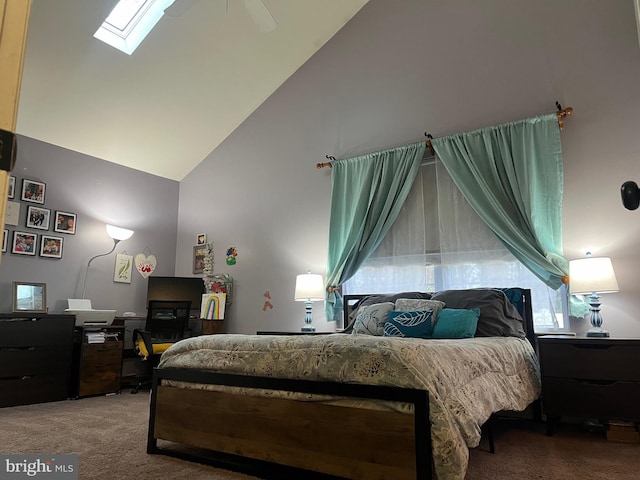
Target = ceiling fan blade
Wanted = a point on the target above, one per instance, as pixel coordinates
(260, 15)
(179, 7)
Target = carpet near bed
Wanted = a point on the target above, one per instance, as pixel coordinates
(109, 435)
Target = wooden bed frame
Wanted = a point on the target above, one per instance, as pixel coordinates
(282, 438)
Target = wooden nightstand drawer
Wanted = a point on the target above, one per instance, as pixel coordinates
(608, 400)
(588, 377)
(597, 360)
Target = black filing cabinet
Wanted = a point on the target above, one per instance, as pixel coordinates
(35, 358)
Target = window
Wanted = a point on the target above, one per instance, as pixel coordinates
(438, 242)
(130, 22)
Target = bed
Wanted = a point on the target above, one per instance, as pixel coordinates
(357, 406)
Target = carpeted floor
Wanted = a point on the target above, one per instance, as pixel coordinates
(109, 435)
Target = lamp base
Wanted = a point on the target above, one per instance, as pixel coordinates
(308, 328)
(597, 332)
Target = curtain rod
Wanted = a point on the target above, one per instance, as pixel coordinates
(562, 112)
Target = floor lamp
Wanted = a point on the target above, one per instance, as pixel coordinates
(117, 234)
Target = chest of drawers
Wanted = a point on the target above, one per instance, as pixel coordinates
(35, 358)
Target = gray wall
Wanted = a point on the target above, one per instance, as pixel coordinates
(99, 192)
(399, 69)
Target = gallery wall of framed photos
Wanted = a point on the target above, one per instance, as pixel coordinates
(33, 228)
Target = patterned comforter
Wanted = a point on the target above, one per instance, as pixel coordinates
(467, 379)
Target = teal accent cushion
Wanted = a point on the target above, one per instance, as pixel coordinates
(456, 323)
(416, 324)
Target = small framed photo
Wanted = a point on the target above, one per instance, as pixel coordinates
(38, 217)
(199, 252)
(12, 187)
(24, 243)
(32, 191)
(201, 239)
(65, 222)
(50, 247)
(5, 235)
(29, 297)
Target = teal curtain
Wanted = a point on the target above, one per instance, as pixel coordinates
(512, 175)
(368, 192)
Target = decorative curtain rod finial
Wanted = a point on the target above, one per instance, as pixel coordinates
(429, 146)
(331, 158)
(562, 112)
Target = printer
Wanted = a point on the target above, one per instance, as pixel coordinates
(87, 316)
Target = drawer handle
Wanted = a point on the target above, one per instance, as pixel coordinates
(20, 319)
(593, 347)
(18, 349)
(603, 383)
(21, 377)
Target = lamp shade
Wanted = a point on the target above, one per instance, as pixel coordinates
(309, 287)
(118, 233)
(592, 274)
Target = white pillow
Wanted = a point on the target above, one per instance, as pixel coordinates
(413, 304)
(371, 319)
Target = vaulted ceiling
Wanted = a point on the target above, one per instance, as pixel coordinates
(196, 77)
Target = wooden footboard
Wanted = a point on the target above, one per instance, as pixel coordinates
(270, 437)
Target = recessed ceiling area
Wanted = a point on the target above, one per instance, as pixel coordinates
(195, 78)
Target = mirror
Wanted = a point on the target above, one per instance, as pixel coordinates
(29, 297)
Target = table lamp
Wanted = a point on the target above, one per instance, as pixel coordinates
(309, 288)
(590, 276)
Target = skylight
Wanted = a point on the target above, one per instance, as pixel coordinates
(130, 22)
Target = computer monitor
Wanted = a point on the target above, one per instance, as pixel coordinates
(176, 288)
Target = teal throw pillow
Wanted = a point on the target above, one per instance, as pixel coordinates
(456, 323)
(416, 324)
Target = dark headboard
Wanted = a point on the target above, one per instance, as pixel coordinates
(523, 307)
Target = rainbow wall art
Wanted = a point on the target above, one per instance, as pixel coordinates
(213, 306)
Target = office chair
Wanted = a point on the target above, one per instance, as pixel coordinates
(166, 323)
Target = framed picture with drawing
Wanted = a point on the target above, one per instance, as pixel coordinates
(199, 252)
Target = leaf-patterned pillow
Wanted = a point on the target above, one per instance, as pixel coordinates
(371, 319)
(414, 304)
(416, 324)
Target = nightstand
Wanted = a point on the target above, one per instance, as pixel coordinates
(588, 377)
